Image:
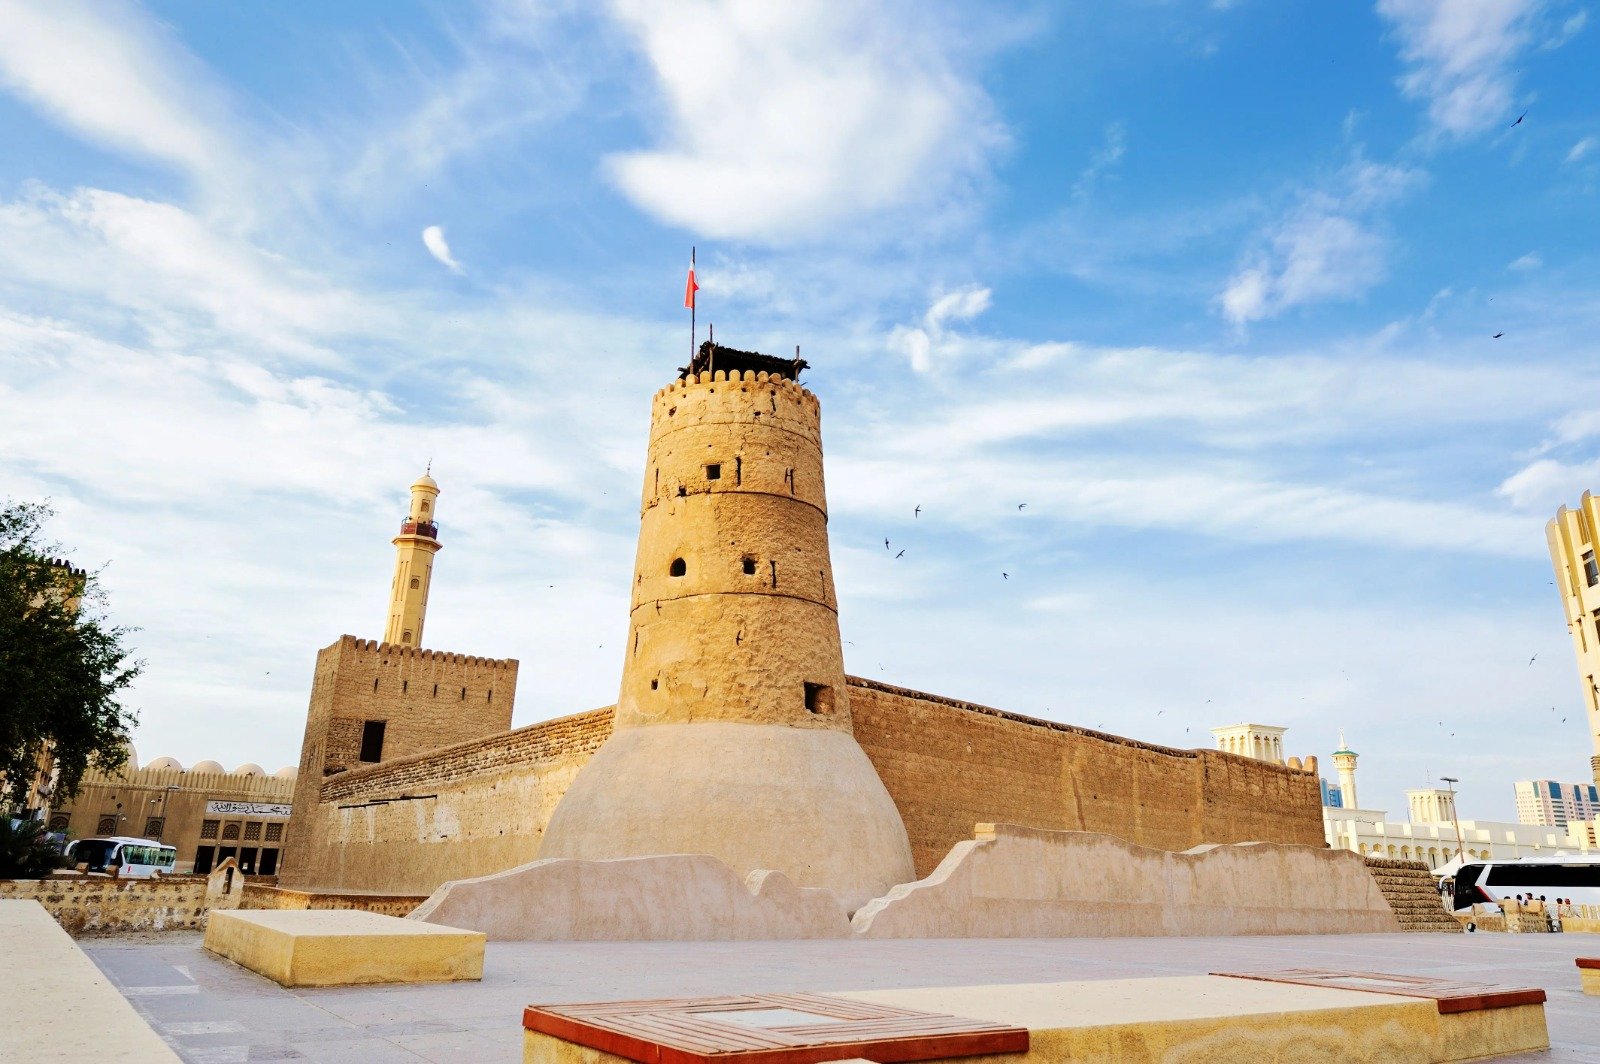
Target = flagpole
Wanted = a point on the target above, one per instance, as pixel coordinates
(692, 307)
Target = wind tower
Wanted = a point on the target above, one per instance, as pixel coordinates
(733, 734)
(1572, 540)
(414, 549)
(1344, 759)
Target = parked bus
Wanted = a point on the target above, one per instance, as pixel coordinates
(127, 857)
(1574, 876)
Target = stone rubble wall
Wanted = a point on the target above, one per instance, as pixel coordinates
(1413, 894)
(99, 904)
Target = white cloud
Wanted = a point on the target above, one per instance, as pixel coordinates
(1102, 161)
(433, 238)
(1569, 29)
(1462, 57)
(917, 342)
(167, 270)
(107, 72)
(778, 120)
(1546, 484)
(1325, 248)
(1530, 261)
(1582, 149)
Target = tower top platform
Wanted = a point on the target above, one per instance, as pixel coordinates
(712, 357)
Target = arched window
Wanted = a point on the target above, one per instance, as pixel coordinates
(677, 568)
(424, 505)
(106, 826)
(415, 583)
(230, 832)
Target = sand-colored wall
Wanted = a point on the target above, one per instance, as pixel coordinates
(948, 766)
(1015, 882)
(428, 700)
(407, 825)
(951, 765)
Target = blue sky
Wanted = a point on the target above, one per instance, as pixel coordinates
(1211, 287)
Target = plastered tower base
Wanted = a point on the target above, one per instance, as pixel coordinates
(733, 733)
(755, 798)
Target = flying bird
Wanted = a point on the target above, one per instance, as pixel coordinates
(1022, 506)
(1518, 122)
(1496, 336)
(1533, 659)
(1004, 576)
(885, 542)
(918, 511)
(1159, 712)
(902, 554)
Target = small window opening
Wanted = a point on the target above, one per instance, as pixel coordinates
(1591, 570)
(749, 566)
(436, 690)
(788, 475)
(819, 698)
(372, 740)
(424, 506)
(714, 471)
(404, 684)
(738, 470)
(405, 637)
(463, 694)
(374, 683)
(654, 684)
(489, 697)
(677, 568)
(415, 583)
(682, 491)
(774, 565)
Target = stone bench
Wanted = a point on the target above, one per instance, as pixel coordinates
(343, 947)
(59, 1006)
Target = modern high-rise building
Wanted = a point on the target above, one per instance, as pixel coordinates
(1571, 535)
(1552, 804)
(1332, 796)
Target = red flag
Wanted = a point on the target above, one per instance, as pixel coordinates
(690, 288)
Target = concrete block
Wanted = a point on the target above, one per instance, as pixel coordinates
(341, 947)
(1589, 973)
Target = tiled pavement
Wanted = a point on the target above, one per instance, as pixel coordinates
(212, 1011)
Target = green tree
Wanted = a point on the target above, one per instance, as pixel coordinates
(62, 665)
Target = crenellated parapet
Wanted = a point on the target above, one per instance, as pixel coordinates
(401, 651)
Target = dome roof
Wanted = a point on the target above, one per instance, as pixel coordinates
(249, 768)
(207, 766)
(425, 481)
(164, 764)
(133, 755)
(287, 772)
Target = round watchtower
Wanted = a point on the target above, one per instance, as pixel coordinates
(733, 732)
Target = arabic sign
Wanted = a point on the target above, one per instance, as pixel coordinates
(247, 808)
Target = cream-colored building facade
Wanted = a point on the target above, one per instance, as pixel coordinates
(1572, 540)
(1431, 831)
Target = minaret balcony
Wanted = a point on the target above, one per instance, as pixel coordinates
(420, 528)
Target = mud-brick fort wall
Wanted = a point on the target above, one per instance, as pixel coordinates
(424, 700)
(950, 765)
(408, 824)
(481, 806)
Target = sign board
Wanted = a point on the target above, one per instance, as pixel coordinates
(247, 809)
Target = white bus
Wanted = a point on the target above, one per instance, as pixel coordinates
(1572, 876)
(127, 857)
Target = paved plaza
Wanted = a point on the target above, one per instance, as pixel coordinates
(212, 1011)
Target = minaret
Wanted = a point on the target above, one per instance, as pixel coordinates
(414, 549)
(1344, 759)
(733, 735)
(1571, 535)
